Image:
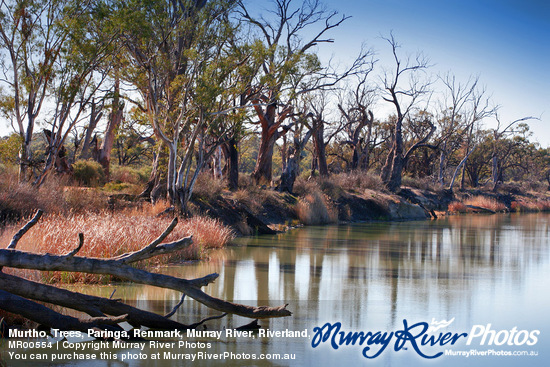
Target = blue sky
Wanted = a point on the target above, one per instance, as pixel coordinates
(504, 42)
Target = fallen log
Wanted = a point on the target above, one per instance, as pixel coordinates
(92, 305)
(48, 262)
(15, 287)
(54, 320)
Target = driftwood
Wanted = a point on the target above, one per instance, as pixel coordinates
(92, 305)
(104, 312)
(47, 317)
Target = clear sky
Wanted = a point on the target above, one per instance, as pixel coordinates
(504, 42)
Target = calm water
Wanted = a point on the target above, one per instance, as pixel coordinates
(370, 277)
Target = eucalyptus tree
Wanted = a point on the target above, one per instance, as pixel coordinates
(478, 108)
(289, 67)
(451, 118)
(80, 72)
(179, 62)
(33, 37)
(503, 146)
(404, 95)
(356, 110)
(48, 72)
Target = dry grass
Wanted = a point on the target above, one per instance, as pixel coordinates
(107, 235)
(208, 187)
(315, 208)
(208, 232)
(148, 209)
(425, 183)
(335, 185)
(255, 197)
(457, 207)
(84, 199)
(530, 205)
(485, 202)
(21, 199)
(358, 181)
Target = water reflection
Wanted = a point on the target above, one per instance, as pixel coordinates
(476, 269)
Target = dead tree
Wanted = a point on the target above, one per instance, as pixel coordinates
(404, 99)
(19, 296)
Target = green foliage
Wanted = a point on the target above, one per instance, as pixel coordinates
(88, 173)
(9, 149)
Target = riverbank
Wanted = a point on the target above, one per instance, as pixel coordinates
(354, 198)
(252, 210)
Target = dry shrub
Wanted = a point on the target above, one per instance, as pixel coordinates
(107, 235)
(129, 174)
(303, 186)
(255, 197)
(207, 233)
(252, 202)
(88, 173)
(358, 181)
(457, 207)
(530, 205)
(485, 202)
(83, 199)
(536, 186)
(148, 209)
(8, 176)
(426, 183)
(330, 188)
(208, 187)
(21, 199)
(316, 208)
(246, 181)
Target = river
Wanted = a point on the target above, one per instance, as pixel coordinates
(472, 270)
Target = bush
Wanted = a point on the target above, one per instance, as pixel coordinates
(208, 187)
(81, 199)
(18, 200)
(457, 207)
(88, 173)
(255, 197)
(486, 203)
(316, 208)
(426, 183)
(130, 175)
(358, 181)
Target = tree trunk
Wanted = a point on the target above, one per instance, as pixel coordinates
(114, 121)
(25, 160)
(232, 153)
(496, 172)
(364, 161)
(462, 165)
(319, 145)
(394, 182)
(441, 171)
(95, 116)
(92, 305)
(270, 121)
(263, 172)
(171, 174)
(288, 177)
(355, 157)
(52, 319)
